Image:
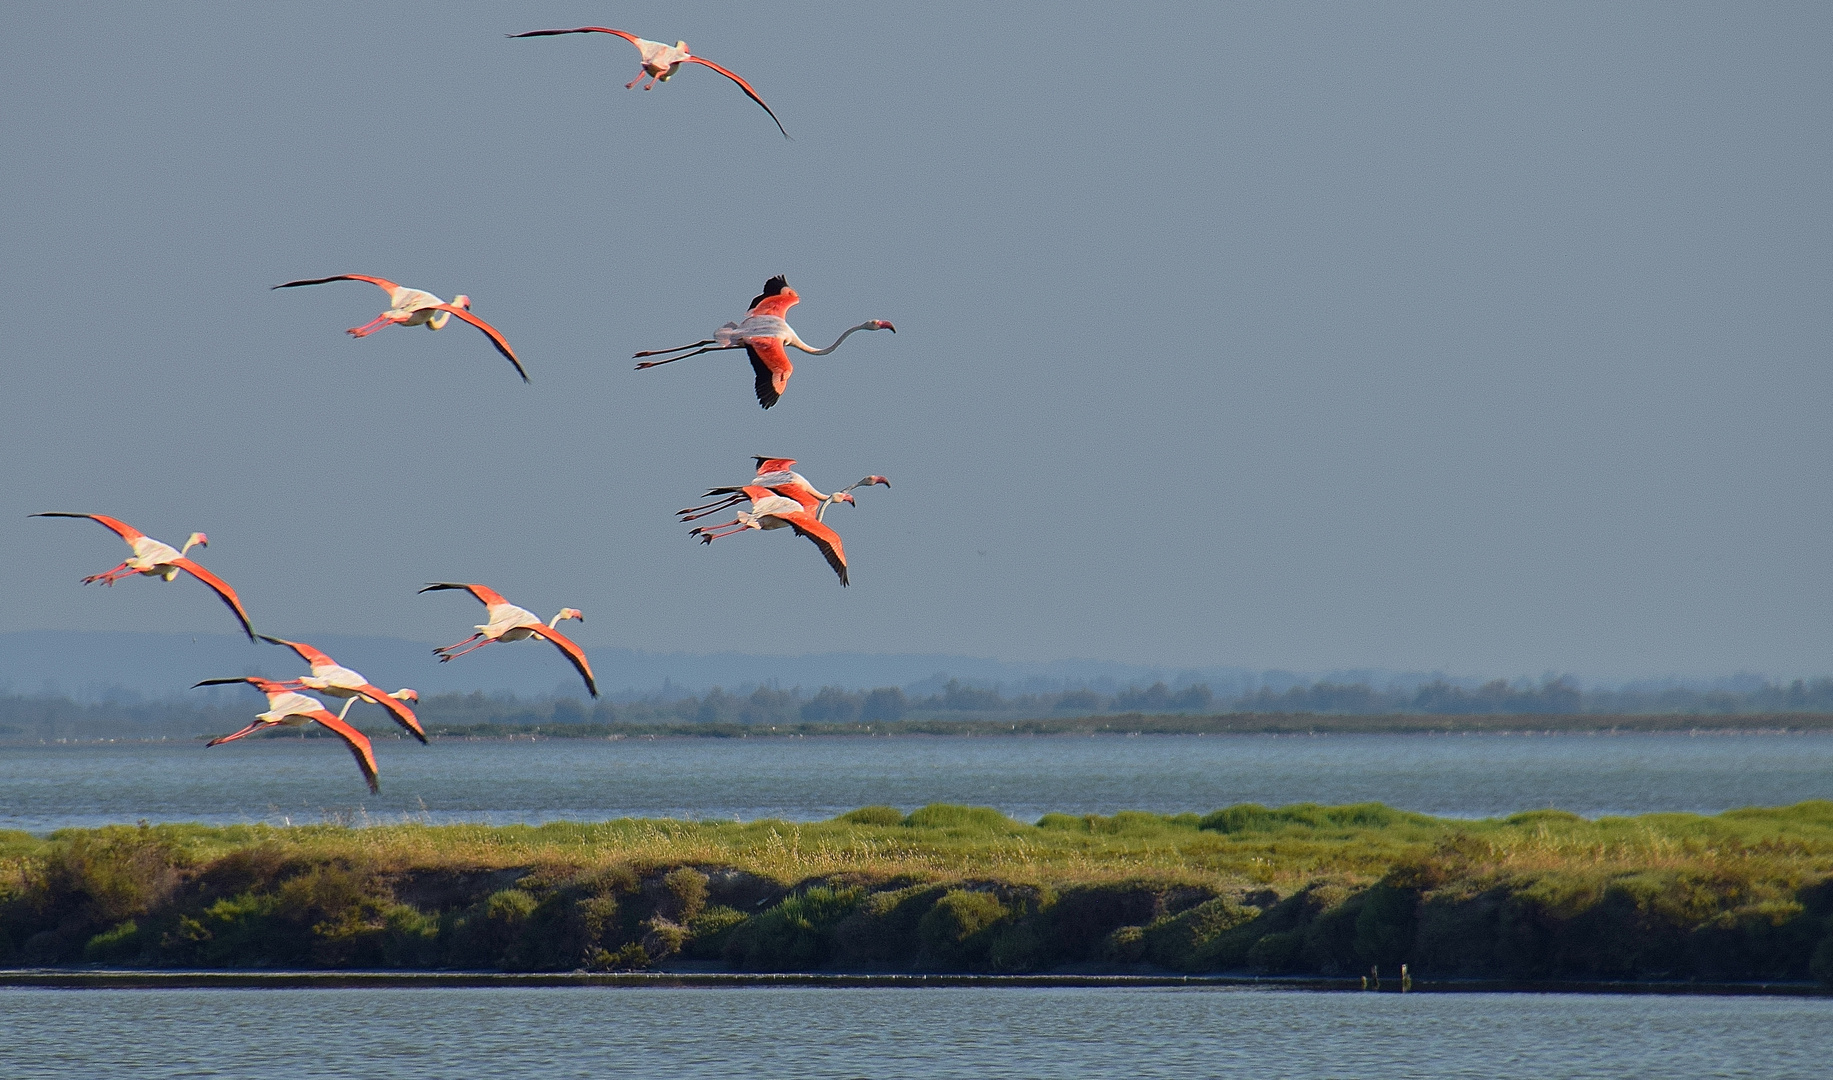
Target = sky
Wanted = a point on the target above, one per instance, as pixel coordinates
(1489, 339)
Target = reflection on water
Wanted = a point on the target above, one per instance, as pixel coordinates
(406, 1034)
(278, 779)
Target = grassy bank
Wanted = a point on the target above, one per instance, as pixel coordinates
(1304, 889)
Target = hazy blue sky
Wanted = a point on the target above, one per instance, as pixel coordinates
(1487, 338)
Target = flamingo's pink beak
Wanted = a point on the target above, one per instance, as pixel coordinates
(883, 325)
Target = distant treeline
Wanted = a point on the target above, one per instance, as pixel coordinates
(56, 717)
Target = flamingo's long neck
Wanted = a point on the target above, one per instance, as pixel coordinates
(189, 544)
(850, 331)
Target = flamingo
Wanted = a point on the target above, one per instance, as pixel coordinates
(330, 677)
(411, 307)
(763, 335)
(156, 559)
(660, 62)
(511, 623)
(777, 475)
(285, 706)
(781, 498)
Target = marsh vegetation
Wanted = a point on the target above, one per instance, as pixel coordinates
(1333, 890)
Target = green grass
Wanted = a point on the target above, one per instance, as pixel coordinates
(1747, 893)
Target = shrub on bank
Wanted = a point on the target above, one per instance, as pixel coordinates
(1303, 889)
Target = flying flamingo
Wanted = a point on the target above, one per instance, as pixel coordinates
(763, 335)
(511, 623)
(781, 498)
(285, 706)
(155, 559)
(411, 307)
(776, 475)
(660, 62)
(330, 677)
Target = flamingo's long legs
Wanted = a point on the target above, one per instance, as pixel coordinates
(677, 348)
(447, 656)
(695, 513)
(109, 577)
(372, 326)
(684, 356)
(458, 644)
(710, 533)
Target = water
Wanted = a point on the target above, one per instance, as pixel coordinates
(406, 1034)
(290, 779)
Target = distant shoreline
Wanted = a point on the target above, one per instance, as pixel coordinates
(1118, 725)
(141, 979)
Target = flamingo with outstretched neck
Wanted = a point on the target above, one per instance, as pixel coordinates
(506, 622)
(777, 475)
(330, 677)
(413, 307)
(290, 708)
(766, 336)
(156, 559)
(660, 62)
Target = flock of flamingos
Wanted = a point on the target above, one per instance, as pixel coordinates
(779, 496)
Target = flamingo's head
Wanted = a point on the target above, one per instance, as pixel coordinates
(569, 613)
(843, 496)
(406, 694)
(196, 540)
(881, 324)
(874, 480)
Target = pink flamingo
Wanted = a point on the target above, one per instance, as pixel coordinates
(506, 622)
(763, 335)
(330, 677)
(412, 307)
(156, 559)
(292, 709)
(660, 62)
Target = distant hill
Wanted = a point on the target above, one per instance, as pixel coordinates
(106, 665)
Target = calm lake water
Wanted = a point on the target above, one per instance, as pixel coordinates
(297, 780)
(933, 1032)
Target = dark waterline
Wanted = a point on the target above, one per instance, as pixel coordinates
(943, 1032)
(306, 781)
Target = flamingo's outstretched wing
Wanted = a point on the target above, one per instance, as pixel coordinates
(626, 35)
(742, 85)
(306, 652)
(484, 593)
(397, 709)
(266, 686)
(222, 590)
(121, 528)
(767, 465)
(233, 736)
(490, 332)
(573, 652)
(805, 524)
(383, 283)
(357, 742)
(770, 363)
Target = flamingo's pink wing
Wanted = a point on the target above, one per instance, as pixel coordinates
(382, 283)
(223, 591)
(825, 538)
(396, 708)
(484, 593)
(121, 528)
(770, 363)
(742, 85)
(573, 652)
(357, 742)
(490, 332)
